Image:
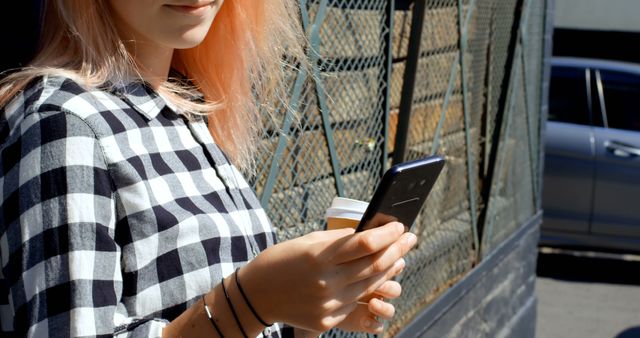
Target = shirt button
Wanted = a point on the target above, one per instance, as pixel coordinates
(267, 331)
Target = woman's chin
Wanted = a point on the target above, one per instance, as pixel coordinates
(188, 39)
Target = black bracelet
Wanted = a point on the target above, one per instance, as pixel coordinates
(233, 310)
(246, 300)
(213, 322)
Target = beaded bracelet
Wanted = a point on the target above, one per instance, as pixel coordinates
(233, 310)
(246, 300)
(210, 316)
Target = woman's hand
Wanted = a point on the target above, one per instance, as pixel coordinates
(314, 282)
(365, 317)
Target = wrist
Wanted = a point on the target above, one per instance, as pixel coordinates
(255, 285)
(302, 333)
(246, 321)
(247, 301)
(195, 322)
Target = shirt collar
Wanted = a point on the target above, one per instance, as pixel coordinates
(141, 97)
(145, 100)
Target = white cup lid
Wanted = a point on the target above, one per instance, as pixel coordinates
(349, 204)
(342, 207)
(339, 213)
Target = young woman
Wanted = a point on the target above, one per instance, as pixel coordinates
(122, 209)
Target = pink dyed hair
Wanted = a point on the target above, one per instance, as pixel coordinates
(254, 37)
(239, 66)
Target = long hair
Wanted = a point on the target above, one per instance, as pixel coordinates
(238, 67)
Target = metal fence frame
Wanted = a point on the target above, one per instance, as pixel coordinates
(512, 69)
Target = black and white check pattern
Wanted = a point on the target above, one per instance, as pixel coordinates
(117, 212)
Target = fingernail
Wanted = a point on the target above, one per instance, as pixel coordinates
(411, 239)
(400, 227)
(368, 323)
(400, 263)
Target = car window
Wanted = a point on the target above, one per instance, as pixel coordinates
(568, 95)
(621, 99)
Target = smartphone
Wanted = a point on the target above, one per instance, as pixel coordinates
(402, 192)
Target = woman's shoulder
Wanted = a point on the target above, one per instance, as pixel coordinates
(49, 95)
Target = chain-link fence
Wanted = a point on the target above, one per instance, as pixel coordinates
(393, 81)
(515, 187)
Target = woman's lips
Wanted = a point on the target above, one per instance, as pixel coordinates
(196, 9)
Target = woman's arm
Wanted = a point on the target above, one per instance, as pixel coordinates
(60, 261)
(313, 282)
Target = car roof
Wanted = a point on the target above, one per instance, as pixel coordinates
(596, 63)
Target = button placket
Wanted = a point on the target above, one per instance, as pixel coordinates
(226, 175)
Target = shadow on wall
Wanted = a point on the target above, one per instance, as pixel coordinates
(590, 270)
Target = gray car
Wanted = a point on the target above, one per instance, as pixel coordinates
(591, 195)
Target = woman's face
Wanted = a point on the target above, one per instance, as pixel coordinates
(174, 24)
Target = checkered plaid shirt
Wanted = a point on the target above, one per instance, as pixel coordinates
(117, 212)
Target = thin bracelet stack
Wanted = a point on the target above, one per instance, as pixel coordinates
(246, 300)
(233, 310)
(210, 316)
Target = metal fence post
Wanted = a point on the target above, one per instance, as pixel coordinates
(282, 140)
(386, 103)
(471, 175)
(409, 81)
(320, 94)
(501, 149)
(510, 104)
(544, 84)
(530, 133)
(503, 107)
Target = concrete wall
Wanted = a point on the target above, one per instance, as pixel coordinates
(496, 299)
(618, 15)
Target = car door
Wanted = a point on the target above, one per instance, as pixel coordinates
(569, 152)
(617, 190)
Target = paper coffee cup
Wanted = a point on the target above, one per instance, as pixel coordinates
(345, 213)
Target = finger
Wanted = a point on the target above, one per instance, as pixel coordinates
(332, 235)
(327, 241)
(368, 286)
(337, 316)
(366, 243)
(371, 325)
(399, 272)
(361, 320)
(389, 289)
(367, 266)
(381, 308)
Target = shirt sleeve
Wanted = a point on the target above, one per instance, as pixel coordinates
(61, 273)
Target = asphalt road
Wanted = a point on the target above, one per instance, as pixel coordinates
(585, 297)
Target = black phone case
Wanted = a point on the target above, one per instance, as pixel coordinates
(402, 192)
